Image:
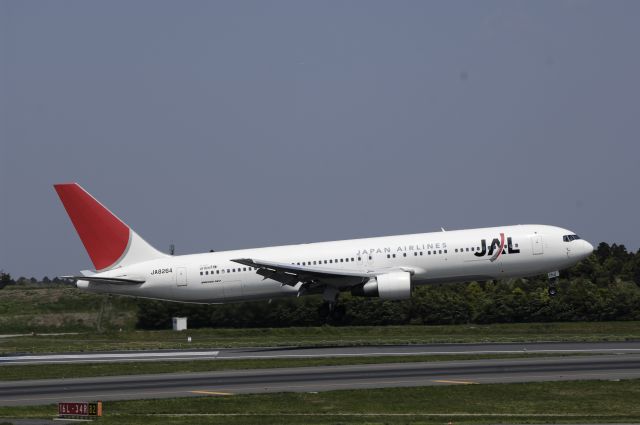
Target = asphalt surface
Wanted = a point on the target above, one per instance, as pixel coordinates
(311, 379)
(324, 352)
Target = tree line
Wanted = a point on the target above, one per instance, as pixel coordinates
(605, 286)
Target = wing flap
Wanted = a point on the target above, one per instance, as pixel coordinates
(289, 274)
(302, 269)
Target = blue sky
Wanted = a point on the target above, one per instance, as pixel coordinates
(240, 124)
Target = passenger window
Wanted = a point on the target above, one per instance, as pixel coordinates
(404, 254)
(200, 273)
(388, 255)
(394, 255)
(359, 258)
(342, 260)
(369, 257)
(352, 260)
(420, 252)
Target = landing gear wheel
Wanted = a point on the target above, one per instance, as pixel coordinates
(553, 282)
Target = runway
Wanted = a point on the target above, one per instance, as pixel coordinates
(324, 352)
(325, 378)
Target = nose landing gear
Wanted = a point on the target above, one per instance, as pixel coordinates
(553, 283)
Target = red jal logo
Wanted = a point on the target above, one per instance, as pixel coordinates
(496, 248)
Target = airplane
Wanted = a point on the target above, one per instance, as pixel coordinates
(385, 267)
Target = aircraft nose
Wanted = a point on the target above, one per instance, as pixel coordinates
(586, 249)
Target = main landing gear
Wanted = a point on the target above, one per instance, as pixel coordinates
(330, 309)
(333, 311)
(553, 283)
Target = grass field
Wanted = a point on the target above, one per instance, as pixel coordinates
(323, 336)
(546, 402)
(58, 308)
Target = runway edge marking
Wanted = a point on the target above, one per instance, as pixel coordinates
(447, 381)
(209, 392)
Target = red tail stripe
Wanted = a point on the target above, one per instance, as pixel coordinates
(103, 235)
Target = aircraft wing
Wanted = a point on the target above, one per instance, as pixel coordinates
(289, 274)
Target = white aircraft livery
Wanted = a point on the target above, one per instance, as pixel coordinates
(386, 267)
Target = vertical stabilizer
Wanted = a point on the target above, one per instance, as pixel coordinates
(109, 242)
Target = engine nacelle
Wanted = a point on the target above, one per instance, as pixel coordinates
(388, 286)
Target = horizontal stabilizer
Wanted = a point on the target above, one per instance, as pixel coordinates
(110, 280)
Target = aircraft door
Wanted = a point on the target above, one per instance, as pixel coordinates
(365, 260)
(537, 248)
(181, 276)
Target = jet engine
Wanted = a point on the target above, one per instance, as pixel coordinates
(388, 286)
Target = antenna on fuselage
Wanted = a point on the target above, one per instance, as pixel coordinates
(443, 229)
(172, 249)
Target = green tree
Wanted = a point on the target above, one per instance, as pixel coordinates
(5, 279)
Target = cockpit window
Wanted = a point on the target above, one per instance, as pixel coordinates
(569, 238)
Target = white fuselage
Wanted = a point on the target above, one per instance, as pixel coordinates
(451, 256)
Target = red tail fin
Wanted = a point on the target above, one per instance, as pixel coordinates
(105, 236)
